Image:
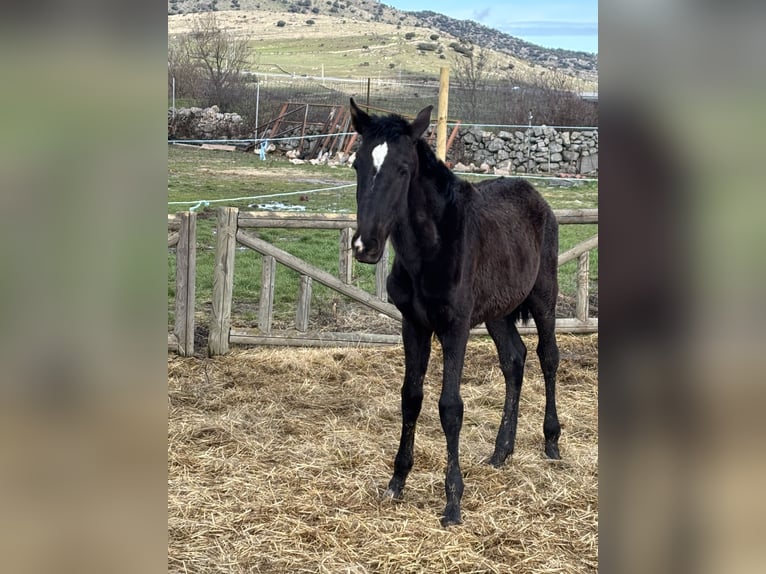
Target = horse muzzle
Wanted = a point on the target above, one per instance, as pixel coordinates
(366, 250)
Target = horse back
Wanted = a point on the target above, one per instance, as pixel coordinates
(514, 231)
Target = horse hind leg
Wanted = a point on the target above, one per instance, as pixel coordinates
(512, 354)
(543, 310)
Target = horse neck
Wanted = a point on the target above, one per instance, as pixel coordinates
(432, 187)
(429, 208)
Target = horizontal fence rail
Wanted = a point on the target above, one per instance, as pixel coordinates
(231, 226)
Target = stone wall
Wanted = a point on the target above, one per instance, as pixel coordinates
(539, 149)
(535, 150)
(207, 123)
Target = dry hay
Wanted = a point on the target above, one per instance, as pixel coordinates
(277, 459)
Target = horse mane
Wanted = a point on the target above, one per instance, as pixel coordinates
(443, 178)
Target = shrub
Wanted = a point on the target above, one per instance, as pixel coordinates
(434, 37)
(409, 35)
(310, 22)
(461, 49)
(427, 47)
(281, 24)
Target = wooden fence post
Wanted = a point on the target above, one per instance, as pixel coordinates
(186, 264)
(583, 277)
(441, 121)
(381, 275)
(266, 303)
(345, 259)
(304, 305)
(223, 280)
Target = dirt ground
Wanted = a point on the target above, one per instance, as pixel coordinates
(277, 459)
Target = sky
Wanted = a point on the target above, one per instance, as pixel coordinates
(566, 24)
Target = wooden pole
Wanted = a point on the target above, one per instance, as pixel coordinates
(266, 304)
(345, 257)
(441, 122)
(186, 259)
(381, 276)
(583, 276)
(223, 280)
(304, 305)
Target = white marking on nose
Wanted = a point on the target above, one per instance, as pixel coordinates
(359, 245)
(379, 153)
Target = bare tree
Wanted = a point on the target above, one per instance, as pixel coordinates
(218, 58)
(181, 69)
(471, 70)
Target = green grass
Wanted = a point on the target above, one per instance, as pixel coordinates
(195, 174)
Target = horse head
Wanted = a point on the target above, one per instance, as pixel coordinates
(385, 164)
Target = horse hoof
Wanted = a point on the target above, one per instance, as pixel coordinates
(552, 451)
(496, 461)
(451, 519)
(391, 494)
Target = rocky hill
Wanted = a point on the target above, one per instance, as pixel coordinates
(579, 64)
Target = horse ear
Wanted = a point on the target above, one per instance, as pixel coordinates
(359, 119)
(421, 123)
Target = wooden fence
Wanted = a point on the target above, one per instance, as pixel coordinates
(231, 230)
(182, 234)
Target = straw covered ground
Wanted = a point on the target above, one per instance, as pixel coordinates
(277, 459)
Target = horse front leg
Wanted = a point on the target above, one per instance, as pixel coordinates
(417, 350)
(451, 415)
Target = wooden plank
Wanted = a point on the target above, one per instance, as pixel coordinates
(304, 304)
(219, 147)
(320, 275)
(381, 275)
(338, 128)
(223, 280)
(563, 325)
(344, 130)
(583, 279)
(266, 303)
(350, 143)
(278, 121)
(290, 219)
(345, 255)
(452, 135)
(186, 258)
(303, 127)
(579, 249)
(576, 215)
(321, 339)
(333, 339)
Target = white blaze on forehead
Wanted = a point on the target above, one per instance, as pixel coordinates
(358, 244)
(379, 153)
